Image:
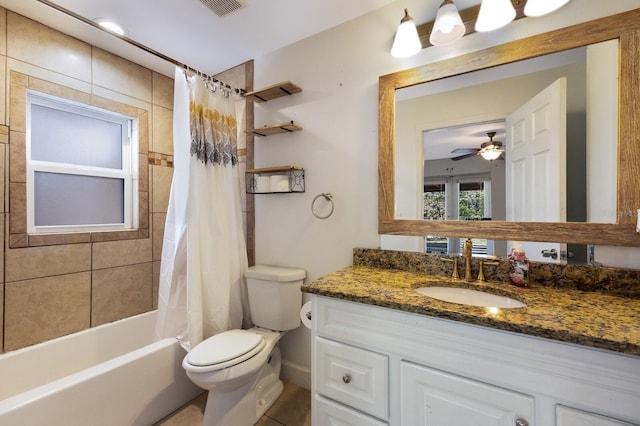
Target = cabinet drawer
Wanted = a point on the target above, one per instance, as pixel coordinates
(353, 376)
(329, 413)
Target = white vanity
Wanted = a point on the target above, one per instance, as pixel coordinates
(379, 366)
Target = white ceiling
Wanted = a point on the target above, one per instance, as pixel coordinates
(190, 33)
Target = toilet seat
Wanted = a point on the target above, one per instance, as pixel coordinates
(226, 349)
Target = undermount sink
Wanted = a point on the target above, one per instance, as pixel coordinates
(465, 296)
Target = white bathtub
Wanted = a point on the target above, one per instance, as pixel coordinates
(114, 374)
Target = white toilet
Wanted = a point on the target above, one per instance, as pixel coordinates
(241, 368)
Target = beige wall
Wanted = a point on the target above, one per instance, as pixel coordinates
(55, 286)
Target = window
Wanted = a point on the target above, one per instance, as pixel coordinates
(82, 171)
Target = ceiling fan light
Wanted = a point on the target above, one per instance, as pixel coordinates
(448, 26)
(494, 14)
(407, 42)
(491, 154)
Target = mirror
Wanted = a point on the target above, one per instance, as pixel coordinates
(447, 129)
(620, 230)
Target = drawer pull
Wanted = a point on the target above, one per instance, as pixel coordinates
(346, 379)
(522, 422)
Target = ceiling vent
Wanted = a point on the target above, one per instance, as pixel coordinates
(224, 7)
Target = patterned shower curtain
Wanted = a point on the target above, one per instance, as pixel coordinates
(202, 290)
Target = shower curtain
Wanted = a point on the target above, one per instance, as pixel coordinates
(202, 290)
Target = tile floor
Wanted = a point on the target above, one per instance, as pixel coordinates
(292, 408)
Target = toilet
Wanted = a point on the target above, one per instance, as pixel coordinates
(241, 368)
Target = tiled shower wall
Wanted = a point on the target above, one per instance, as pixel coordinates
(53, 287)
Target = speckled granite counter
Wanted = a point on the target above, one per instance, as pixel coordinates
(586, 318)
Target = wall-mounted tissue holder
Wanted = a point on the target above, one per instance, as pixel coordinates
(275, 180)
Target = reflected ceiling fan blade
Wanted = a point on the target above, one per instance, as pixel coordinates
(462, 157)
(465, 150)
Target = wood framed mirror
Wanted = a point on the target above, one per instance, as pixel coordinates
(625, 28)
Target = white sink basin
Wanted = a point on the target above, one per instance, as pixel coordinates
(464, 296)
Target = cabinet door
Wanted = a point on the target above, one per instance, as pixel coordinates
(432, 397)
(353, 376)
(566, 416)
(329, 413)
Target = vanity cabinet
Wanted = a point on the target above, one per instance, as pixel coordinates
(378, 366)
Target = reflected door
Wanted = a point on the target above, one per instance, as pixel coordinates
(536, 164)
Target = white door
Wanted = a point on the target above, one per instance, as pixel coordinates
(535, 166)
(433, 397)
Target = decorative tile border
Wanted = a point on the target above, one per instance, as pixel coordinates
(159, 159)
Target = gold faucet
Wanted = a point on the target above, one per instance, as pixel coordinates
(454, 260)
(466, 253)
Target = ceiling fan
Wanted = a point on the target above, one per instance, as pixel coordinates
(490, 150)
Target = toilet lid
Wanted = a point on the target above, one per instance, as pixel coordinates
(232, 345)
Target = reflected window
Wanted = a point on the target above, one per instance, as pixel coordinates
(458, 198)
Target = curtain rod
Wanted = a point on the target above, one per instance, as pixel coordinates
(135, 43)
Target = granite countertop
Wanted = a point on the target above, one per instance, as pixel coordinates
(582, 317)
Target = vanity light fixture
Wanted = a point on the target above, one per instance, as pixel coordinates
(407, 42)
(542, 7)
(110, 26)
(494, 14)
(448, 26)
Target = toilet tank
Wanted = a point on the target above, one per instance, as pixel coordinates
(274, 296)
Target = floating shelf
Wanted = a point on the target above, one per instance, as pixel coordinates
(275, 180)
(272, 130)
(285, 88)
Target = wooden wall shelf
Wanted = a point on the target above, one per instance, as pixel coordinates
(285, 88)
(272, 130)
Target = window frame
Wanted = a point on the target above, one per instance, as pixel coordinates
(128, 173)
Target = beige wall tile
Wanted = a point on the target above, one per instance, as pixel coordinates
(36, 44)
(154, 285)
(143, 172)
(18, 208)
(3, 78)
(17, 157)
(161, 187)
(2, 246)
(118, 74)
(3, 31)
(37, 262)
(1, 317)
(119, 253)
(14, 65)
(143, 132)
(162, 90)
(18, 107)
(158, 234)
(42, 309)
(162, 140)
(59, 90)
(121, 292)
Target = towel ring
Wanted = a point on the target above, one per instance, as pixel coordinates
(327, 196)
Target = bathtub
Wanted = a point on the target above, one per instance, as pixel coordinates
(113, 374)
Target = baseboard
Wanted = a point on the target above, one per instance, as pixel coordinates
(296, 374)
